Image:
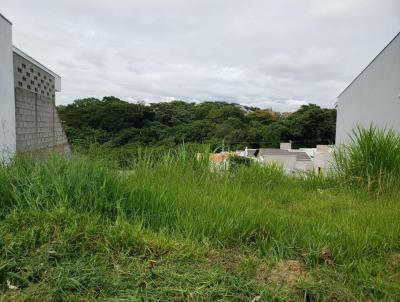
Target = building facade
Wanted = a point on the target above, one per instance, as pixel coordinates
(7, 103)
(30, 122)
(291, 160)
(374, 95)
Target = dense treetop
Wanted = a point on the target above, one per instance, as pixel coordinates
(115, 122)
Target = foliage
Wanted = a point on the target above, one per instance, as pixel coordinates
(236, 161)
(371, 159)
(311, 124)
(168, 229)
(119, 123)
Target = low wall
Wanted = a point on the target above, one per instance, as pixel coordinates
(288, 162)
(304, 166)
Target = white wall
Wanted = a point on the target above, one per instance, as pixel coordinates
(288, 162)
(304, 166)
(285, 146)
(373, 97)
(323, 162)
(7, 102)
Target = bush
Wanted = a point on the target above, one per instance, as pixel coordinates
(237, 161)
(371, 159)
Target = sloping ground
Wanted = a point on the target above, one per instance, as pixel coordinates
(171, 231)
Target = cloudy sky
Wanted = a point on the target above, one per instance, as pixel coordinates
(278, 54)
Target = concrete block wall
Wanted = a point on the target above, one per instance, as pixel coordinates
(30, 77)
(38, 126)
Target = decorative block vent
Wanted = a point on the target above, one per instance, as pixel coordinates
(34, 79)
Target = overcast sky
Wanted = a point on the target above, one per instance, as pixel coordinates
(278, 54)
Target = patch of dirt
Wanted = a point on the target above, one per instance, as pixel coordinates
(228, 258)
(394, 265)
(394, 261)
(286, 272)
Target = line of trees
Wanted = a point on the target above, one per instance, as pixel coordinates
(116, 123)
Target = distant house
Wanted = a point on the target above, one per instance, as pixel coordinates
(317, 159)
(278, 156)
(291, 160)
(373, 97)
(29, 121)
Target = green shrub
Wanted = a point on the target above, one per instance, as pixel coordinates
(237, 161)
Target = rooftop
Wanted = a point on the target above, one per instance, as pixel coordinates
(300, 155)
(1, 16)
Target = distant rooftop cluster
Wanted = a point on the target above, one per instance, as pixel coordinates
(318, 159)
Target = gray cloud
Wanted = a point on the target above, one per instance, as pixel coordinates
(278, 54)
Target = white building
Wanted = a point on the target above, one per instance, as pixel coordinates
(319, 159)
(323, 159)
(7, 107)
(373, 97)
(291, 160)
(29, 121)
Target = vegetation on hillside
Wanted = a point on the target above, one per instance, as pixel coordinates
(168, 229)
(116, 123)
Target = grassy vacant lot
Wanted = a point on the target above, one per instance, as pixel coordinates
(169, 230)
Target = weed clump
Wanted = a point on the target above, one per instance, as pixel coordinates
(370, 160)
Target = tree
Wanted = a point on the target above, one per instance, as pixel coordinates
(119, 123)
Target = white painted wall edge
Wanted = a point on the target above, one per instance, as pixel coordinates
(7, 99)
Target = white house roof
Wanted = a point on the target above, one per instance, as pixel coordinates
(57, 81)
(300, 155)
(397, 36)
(1, 16)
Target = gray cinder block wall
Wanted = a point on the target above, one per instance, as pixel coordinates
(38, 126)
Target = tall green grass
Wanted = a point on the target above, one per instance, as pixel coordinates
(371, 159)
(258, 209)
(178, 195)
